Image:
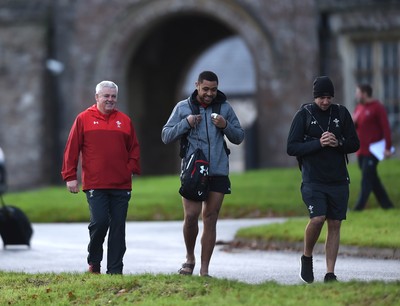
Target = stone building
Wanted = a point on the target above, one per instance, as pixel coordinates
(54, 52)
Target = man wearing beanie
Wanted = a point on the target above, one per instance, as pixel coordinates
(321, 134)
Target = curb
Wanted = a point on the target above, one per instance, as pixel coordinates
(344, 250)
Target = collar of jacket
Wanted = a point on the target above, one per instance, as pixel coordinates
(220, 98)
(99, 114)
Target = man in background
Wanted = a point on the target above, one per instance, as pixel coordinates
(372, 125)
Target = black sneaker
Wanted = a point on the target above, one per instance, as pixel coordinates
(306, 269)
(330, 277)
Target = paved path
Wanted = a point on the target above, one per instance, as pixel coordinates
(157, 247)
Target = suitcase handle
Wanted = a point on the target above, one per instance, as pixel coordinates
(7, 210)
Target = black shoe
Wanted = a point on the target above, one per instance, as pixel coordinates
(94, 268)
(330, 277)
(306, 269)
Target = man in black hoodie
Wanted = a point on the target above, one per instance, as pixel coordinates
(321, 135)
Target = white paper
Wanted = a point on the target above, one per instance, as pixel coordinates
(378, 149)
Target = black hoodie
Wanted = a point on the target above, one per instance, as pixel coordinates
(325, 165)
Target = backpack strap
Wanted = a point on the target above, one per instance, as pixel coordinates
(194, 107)
(183, 142)
(216, 108)
(307, 122)
(342, 112)
(342, 117)
(309, 115)
(307, 107)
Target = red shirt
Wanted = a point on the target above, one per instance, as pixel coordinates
(108, 148)
(372, 125)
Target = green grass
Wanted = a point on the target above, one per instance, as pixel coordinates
(371, 228)
(85, 289)
(259, 193)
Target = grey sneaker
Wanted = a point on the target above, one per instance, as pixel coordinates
(306, 269)
(330, 277)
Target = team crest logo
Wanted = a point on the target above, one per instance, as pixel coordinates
(118, 124)
(336, 121)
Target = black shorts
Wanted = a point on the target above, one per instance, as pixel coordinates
(220, 184)
(326, 200)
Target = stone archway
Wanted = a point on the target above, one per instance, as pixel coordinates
(150, 51)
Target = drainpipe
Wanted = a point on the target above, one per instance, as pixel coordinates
(324, 38)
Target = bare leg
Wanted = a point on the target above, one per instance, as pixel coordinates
(210, 216)
(312, 232)
(332, 244)
(192, 211)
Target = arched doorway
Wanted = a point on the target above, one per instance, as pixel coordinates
(156, 77)
(151, 53)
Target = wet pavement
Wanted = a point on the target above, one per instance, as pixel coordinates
(158, 248)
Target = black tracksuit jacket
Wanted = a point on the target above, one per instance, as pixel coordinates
(322, 165)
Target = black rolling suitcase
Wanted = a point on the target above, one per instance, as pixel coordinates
(15, 227)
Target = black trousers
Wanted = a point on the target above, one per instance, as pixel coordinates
(108, 211)
(370, 182)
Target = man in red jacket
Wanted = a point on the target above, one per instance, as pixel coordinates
(105, 139)
(372, 125)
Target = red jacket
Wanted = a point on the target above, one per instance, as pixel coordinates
(372, 125)
(108, 148)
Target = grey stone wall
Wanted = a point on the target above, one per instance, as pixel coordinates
(22, 114)
(147, 47)
(274, 32)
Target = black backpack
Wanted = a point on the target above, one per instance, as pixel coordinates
(309, 116)
(194, 177)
